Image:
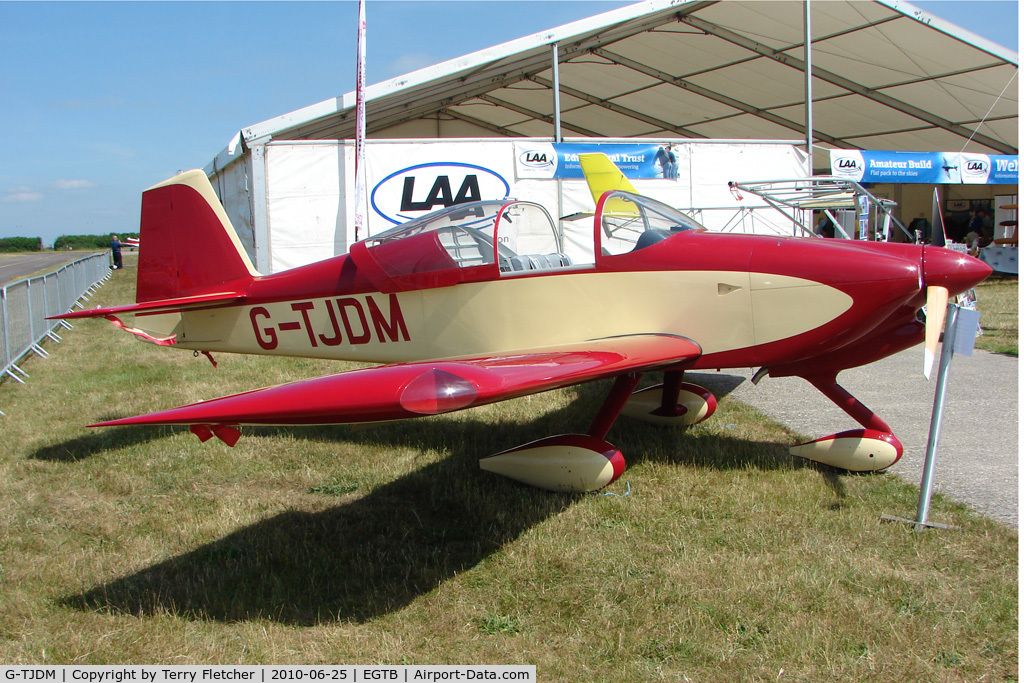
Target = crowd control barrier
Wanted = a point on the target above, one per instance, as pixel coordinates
(25, 305)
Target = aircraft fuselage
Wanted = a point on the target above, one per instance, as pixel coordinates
(726, 292)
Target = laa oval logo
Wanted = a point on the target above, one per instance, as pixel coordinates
(413, 191)
(537, 158)
(976, 168)
(847, 165)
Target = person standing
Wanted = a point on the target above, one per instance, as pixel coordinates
(669, 165)
(115, 251)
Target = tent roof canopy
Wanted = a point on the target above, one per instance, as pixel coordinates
(887, 76)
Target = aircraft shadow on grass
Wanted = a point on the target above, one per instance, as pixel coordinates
(101, 441)
(379, 552)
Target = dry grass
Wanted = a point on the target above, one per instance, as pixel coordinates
(728, 560)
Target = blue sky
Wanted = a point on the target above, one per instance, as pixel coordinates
(103, 99)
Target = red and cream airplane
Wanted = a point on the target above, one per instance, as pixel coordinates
(478, 303)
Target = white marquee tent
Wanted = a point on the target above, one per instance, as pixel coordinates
(884, 75)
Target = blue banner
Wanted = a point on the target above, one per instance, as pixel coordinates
(561, 159)
(933, 168)
(1004, 169)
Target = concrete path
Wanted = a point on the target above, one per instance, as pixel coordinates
(19, 267)
(978, 444)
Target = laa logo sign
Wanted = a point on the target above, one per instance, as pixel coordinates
(848, 166)
(412, 191)
(975, 167)
(538, 158)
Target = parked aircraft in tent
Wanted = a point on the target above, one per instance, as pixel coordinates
(477, 303)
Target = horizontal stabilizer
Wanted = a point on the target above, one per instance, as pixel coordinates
(161, 306)
(430, 387)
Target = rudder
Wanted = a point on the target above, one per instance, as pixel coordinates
(187, 245)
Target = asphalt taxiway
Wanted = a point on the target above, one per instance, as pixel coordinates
(19, 267)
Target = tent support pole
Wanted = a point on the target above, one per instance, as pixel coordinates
(557, 92)
(260, 213)
(808, 92)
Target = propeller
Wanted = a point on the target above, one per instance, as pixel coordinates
(938, 298)
(950, 268)
(938, 225)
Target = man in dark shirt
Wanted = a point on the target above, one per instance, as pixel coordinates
(115, 250)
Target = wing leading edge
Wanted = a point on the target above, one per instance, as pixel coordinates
(406, 390)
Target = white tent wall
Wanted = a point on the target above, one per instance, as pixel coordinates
(307, 216)
(304, 211)
(233, 186)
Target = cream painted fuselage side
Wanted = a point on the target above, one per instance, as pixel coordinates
(715, 309)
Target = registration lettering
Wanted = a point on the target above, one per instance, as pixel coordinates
(359, 320)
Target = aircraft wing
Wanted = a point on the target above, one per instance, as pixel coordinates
(407, 390)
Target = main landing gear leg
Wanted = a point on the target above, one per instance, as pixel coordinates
(570, 462)
(860, 450)
(621, 392)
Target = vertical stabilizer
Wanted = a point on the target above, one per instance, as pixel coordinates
(602, 175)
(187, 245)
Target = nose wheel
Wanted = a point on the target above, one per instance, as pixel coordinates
(858, 450)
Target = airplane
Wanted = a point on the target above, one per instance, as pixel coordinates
(948, 166)
(478, 303)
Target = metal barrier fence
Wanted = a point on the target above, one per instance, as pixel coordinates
(24, 306)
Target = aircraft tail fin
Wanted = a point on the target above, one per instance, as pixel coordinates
(187, 244)
(602, 175)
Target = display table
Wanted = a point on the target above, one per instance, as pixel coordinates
(1002, 258)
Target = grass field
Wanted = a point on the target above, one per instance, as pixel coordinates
(727, 561)
(1000, 314)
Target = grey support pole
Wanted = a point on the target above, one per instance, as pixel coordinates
(924, 502)
(808, 89)
(556, 92)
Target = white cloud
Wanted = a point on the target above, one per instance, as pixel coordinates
(74, 184)
(22, 195)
